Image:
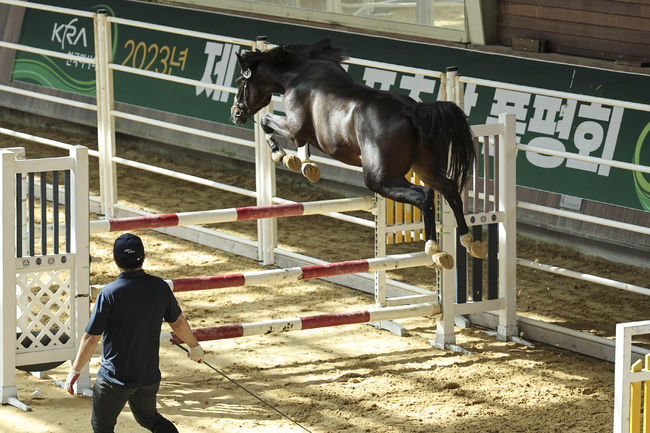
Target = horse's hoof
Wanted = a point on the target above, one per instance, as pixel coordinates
(277, 155)
(431, 247)
(443, 260)
(292, 162)
(478, 249)
(311, 171)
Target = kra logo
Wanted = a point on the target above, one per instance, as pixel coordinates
(69, 34)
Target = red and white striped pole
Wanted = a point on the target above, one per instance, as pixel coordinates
(313, 322)
(298, 273)
(231, 214)
(268, 277)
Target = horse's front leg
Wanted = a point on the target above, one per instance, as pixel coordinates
(273, 123)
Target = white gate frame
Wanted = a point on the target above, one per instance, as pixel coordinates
(623, 377)
(505, 214)
(76, 262)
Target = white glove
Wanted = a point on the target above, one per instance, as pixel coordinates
(70, 380)
(196, 353)
(165, 339)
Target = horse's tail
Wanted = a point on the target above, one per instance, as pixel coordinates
(441, 125)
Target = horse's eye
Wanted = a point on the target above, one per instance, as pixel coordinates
(246, 73)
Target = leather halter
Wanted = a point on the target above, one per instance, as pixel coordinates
(238, 103)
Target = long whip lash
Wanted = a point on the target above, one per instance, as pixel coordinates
(242, 387)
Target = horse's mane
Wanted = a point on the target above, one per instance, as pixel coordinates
(321, 50)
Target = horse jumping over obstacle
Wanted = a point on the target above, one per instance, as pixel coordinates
(385, 133)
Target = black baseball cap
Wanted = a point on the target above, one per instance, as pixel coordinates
(128, 251)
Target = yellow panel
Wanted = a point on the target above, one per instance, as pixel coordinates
(399, 219)
(417, 215)
(390, 219)
(646, 399)
(635, 401)
(408, 218)
(399, 213)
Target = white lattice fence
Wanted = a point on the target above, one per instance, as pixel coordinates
(43, 310)
(45, 271)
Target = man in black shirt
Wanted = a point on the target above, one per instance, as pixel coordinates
(128, 313)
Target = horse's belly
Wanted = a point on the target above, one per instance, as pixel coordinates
(341, 151)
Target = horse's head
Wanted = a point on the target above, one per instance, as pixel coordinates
(255, 87)
(267, 72)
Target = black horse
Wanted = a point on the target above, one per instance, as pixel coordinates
(385, 133)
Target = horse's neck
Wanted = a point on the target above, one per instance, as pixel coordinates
(287, 77)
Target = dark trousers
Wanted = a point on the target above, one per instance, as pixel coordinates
(109, 400)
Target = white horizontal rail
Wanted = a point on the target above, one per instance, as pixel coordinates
(411, 299)
(487, 130)
(584, 277)
(555, 93)
(49, 8)
(392, 67)
(169, 77)
(50, 53)
(44, 164)
(403, 227)
(183, 176)
(46, 97)
(585, 218)
(179, 31)
(639, 376)
(328, 161)
(335, 215)
(42, 140)
(180, 128)
(586, 158)
(378, 5)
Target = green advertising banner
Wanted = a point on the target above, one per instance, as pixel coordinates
(585, 128)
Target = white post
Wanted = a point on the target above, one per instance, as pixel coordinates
(105, 120)
(450, 83)
(264, 182)
(19, 153)
(507, 327)
(8, 390)
(380, 249)
(445, 335)
(80, 232)
(621, 379)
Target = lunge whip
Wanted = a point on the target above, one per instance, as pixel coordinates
(242, 387)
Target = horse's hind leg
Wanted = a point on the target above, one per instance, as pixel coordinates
(423, 198)
(449, 190)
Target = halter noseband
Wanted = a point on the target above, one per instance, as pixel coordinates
(238, 103)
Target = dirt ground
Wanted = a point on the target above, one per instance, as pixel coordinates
(353, 378)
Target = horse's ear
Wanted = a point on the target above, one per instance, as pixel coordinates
(239, 58)
(321, 45)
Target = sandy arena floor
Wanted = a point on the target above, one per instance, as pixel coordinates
(353, 378)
